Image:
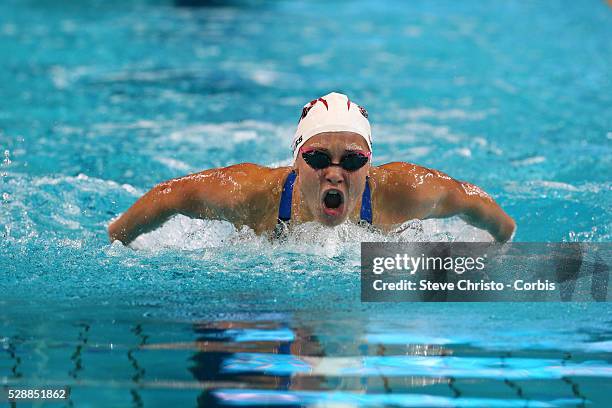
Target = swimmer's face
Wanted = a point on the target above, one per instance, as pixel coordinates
(332, 193)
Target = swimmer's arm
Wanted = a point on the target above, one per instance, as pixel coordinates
(410, 191)
(452, 197)
(198, 196)
(148, 212)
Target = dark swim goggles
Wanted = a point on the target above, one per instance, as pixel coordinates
(351, 161)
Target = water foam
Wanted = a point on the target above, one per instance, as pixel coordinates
(183, 233)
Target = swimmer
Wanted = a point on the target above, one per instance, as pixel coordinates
(332, 180)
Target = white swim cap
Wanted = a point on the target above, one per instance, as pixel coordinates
(333, 112)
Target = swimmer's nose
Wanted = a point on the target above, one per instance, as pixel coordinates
(333, 175)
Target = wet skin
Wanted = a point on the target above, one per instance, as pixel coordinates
(249, 194)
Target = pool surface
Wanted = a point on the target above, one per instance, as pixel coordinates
(101, 100)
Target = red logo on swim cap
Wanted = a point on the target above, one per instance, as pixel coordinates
(304, 112)
(309, 106)
(324, 102)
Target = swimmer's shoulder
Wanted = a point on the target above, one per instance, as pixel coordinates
(400, 184)
(257, 177)
(243, 182)
(244, 175)
(250, 193)
(261, 188)
(404, 175)
(262, 185)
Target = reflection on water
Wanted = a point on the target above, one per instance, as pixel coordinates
(414, 355)
(219, 342)
(272, 362)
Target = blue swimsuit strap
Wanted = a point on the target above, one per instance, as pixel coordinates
(284, 209)
(366, 203)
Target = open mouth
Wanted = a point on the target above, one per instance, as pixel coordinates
(332, 202)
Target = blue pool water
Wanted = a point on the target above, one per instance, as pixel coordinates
(101, 100)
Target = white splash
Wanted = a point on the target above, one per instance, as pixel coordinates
(184, 233)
